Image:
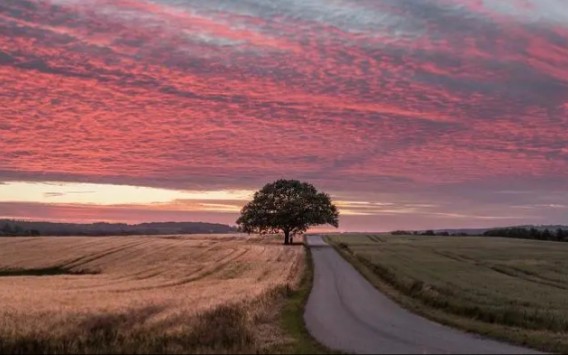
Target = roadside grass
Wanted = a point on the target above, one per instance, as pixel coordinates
(513, 290)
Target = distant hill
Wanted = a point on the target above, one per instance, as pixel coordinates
(13, 227)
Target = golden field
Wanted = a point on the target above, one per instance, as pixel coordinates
(198, 293)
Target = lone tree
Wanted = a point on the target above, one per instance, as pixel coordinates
(289, 206)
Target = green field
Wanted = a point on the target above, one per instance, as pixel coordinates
(507, 288)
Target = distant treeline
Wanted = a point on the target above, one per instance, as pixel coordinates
(14, 229)
(26, 228)
(554, 233)
(558, 234)
(430, 233)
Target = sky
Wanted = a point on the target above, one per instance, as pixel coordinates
(410, 114)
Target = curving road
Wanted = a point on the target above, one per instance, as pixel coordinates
(345, 312)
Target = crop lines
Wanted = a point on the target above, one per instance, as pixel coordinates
(151, 282)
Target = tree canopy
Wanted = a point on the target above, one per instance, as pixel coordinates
(289, 206)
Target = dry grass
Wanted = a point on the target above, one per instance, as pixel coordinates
(144, 294)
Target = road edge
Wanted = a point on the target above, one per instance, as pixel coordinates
(292, 314)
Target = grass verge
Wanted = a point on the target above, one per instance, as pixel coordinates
(412, 297)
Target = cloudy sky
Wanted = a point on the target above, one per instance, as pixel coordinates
(411, 114)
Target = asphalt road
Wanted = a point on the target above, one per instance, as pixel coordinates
(345, 312)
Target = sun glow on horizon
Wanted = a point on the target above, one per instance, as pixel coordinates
(50, 192)
(134, 197)
(133, 200)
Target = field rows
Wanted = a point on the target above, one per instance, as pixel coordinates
(511, 288)
(150, 282)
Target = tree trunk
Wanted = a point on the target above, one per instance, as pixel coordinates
(286, 237)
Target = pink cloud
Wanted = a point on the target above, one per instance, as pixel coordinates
(169, 95)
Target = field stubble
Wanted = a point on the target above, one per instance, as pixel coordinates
(144, 294)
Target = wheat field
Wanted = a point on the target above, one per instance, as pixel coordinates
(198, 293)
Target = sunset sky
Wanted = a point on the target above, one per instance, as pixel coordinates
(410, 114)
